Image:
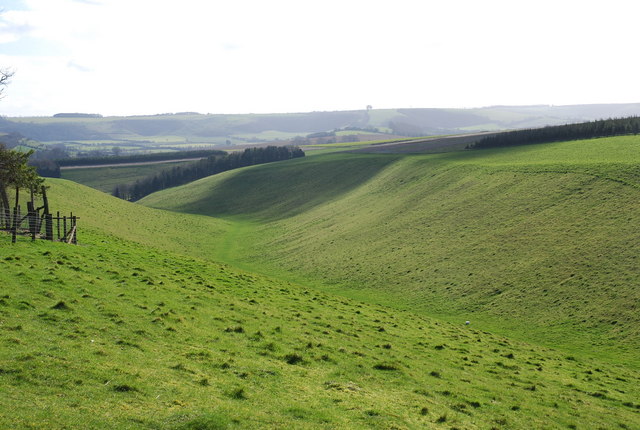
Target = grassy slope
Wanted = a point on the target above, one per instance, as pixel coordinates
(539, 242)
(120, 333)
(193, 235)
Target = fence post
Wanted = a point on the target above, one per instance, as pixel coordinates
(32, 218)
(14, 229)
(58, 223)
(74, 222)
(48, 219)
(45, 199)
(15, 217)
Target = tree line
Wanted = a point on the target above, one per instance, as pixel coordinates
(585, 130)
(211, 165)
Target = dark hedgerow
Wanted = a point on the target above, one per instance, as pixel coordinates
(586, 130)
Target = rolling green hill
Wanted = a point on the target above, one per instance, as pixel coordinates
(332, 292)
(538, 242)
(138, 328)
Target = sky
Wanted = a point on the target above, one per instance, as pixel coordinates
(135, 57)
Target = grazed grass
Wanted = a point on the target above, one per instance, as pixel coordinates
(138, 328)
(537, 242)
(143, 341)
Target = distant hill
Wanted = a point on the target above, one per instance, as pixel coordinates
(261, 127)
(77, 115)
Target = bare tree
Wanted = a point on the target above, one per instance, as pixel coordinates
(5, 75)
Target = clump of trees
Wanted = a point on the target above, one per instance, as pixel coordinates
(585, 130)
(211, 165)
(46, 167)
(17, 174)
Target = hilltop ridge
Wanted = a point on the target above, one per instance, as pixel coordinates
(243, 128)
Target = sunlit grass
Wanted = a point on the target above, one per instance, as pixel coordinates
(113, 334)
(143, 326)
(538, 242)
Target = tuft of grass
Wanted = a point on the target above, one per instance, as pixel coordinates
(124, 388)
(237, 394)
(208, 421)
(293, 358)
(61, 306)
(386, 366)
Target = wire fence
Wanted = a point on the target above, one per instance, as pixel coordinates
(39, 226)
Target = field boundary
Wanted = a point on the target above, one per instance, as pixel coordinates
(434, 144)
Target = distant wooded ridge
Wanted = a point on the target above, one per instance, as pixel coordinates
(69, 127)
(77, 115)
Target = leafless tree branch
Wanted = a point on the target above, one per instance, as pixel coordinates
(5, 75)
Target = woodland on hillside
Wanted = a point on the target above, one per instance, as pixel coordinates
(585, 130)
(211, 165)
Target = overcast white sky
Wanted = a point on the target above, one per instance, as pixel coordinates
(124, 57)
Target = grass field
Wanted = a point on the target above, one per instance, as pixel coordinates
(138, 328)
(332, 292)
(536, 242)
(106, 178)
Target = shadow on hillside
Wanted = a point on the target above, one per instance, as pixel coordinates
(281, 190)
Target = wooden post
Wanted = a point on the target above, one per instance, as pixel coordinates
(32, 219)
(48, 226)
(31, 209)
(75, 230)
(38, 221)
(48, 222)
(64, 229)
(45, 199)
(58, 223)
(15, 217)
(72, 228)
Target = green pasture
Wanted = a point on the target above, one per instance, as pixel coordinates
(537, 242)
(138, 327)
(333, 292)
